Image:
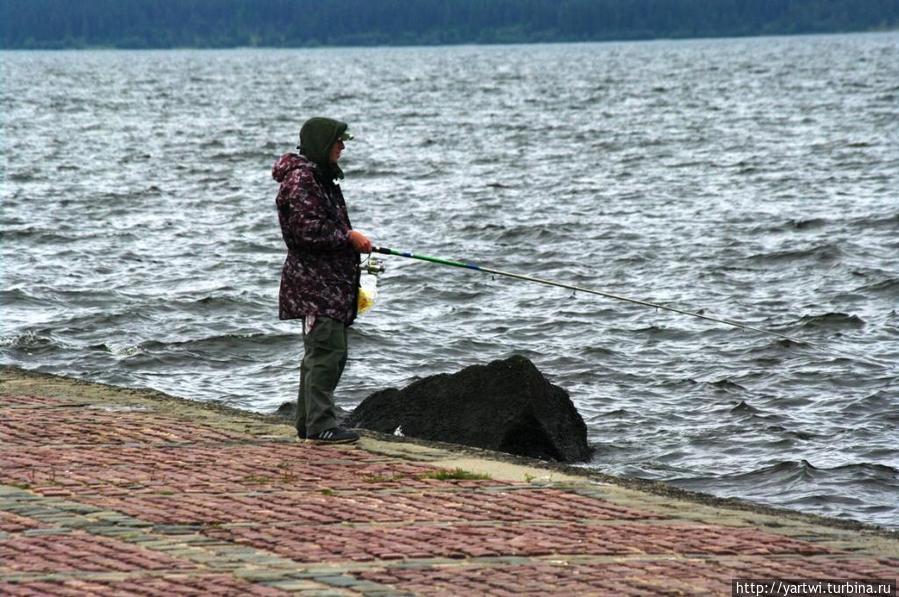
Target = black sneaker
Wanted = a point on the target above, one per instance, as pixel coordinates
(301, 434)
(335, 435)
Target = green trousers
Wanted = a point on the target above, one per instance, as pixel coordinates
(324, 358)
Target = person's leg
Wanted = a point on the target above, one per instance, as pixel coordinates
(346, 354)
(300, 418)
(323, 362)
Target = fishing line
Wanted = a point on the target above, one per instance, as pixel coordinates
(618, 297)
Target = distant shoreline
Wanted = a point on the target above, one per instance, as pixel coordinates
(220, 24)
(411, 45)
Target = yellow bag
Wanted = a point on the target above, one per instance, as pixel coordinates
(366, 300)
(368, 292)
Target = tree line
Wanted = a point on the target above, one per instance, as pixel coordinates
(33, 24)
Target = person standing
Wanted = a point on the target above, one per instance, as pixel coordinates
(320, 277)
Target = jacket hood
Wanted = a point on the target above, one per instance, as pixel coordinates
(286, 164)
(316, 138)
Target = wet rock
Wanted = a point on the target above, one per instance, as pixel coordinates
(287, 410)
(506, 406)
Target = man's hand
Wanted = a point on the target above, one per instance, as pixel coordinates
(360, 242)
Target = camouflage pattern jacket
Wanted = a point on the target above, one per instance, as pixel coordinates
(320, 276)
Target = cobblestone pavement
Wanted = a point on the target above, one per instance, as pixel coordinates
(105, 491)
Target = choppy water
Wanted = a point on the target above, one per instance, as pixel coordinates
(756, 178)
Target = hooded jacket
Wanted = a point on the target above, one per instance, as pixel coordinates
(320, 276)
(316, 138)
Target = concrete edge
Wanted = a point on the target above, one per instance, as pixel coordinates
(656, 488)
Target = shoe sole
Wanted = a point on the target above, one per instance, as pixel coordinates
(331, 441)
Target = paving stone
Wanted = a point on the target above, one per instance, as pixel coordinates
(666, 577)
(79, 551)
(293, 585)
(12, 523)
(80, 426)
(32, 402)
(176, 498)
(165, 586)
(325, 508)
(127, 470)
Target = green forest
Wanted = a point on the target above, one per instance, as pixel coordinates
(51, 24)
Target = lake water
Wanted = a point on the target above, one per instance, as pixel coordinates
(757, 179)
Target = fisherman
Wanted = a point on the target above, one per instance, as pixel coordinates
(320, 277)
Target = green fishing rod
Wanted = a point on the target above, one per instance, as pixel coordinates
(617, 297)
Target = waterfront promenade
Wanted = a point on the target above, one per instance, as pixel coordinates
(111, 491)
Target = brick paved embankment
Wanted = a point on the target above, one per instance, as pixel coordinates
(112, 491)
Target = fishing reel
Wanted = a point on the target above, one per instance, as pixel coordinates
(373, 266)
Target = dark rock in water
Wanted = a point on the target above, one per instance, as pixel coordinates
(287, 410)
(506, 406)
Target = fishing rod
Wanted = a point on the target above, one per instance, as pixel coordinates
(617, 297)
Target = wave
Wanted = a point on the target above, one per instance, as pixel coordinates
(373, 172)
(31, 343)
(663, 333)
(826, 252)
(876, 221)
(25, 340)
(868, 471)
(243, 246)
(239, 155)
(239, 300)
(774, 347)
(727, 386)
(789, 472)
(21, 176)
(832, 321)
(888, 286)
(232, 342)
(781, 474)
(49, 236)
(19, 297)
(599, 351)
(744, 408)
(618, 413)
(744, 412)
(115, 350)
(223, 345)
(881, 406)
(530, 233)
(809, 224)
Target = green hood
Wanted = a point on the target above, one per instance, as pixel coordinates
(316, 138)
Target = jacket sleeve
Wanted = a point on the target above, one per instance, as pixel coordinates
(307, 222)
